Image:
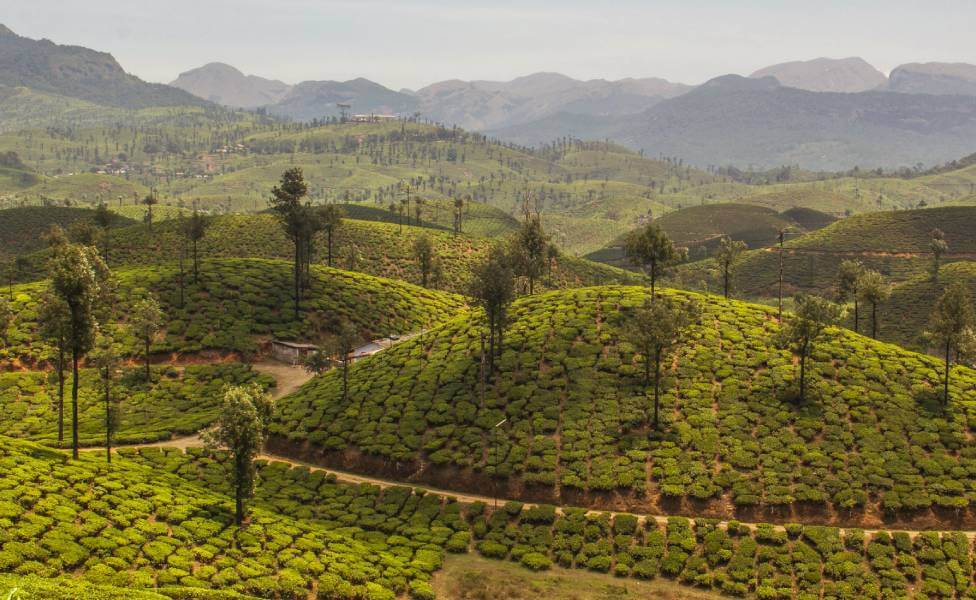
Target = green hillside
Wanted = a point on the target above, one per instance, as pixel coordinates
(570, 389)
(738, 560)
(369, 247)
(179, 401)
(239, 304)
(477, 219)
(21, 228)
(905, 315)
(893, 243)
(130, 526)
(700, 228)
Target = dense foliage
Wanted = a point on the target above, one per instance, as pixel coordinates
(179, 401)
(871, 434)
(238, 303)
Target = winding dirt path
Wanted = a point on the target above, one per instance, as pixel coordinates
(289, 378)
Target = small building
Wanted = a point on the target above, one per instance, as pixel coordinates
(291, 352)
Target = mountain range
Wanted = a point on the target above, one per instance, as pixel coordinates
(820, 114)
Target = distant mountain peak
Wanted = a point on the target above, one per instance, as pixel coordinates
(228, 85)
(939, 78)
(846, 75)
(79, 72)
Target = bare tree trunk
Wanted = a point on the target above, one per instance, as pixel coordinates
(298, 275)
(108, 419)
(948, 365)
(148, 373)
(74, 402)
(61, 392)
(657, 385)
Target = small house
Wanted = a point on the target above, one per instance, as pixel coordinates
(291, 352)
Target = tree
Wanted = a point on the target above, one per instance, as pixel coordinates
(552, 255)
(286, 204)
(423, 251)
(458, 213)
(848, 279)
(149, 201)
(874, 290)
(341, 346)
(939, 247)
(330, 218)
(77, 273)
(241, 430)
(728, 254)
(650, 249)
(54, 319)
(952, 327)
(317, 362)
(107, 362)
(418, 204)
(104, 219)
(654, 329)
(529, 251)
(146, 320)
(196, 228)
(493, 286)
(811, 318)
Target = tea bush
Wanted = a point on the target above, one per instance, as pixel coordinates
(872, 432)
(179, 401)
(239, 303)
(134, 526)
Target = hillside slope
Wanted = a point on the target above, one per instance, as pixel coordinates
(21, 229)
(570, 389)
(845, 75)
(373, 248)
(238, 305)
(894, 243)
(80, 73)
(136, 527)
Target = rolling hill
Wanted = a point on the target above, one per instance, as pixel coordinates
(893, 243)
(700, 228)
(238, 305)
(371, 247)
(576, 429)
(21, 229)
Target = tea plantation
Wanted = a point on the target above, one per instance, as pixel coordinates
(130, 526)
(905, 315)
(238, 303)
(21, 228)
(369, 247)
(179, 401)
(871, 437)
(761, 561)
(894, 243)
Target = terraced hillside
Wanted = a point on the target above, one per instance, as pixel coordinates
(477, 219)
(369, 247)
(905, 315)
(756, 561)
(871, 442)
(894, 243)
(21, 228)
(239, 304)
(700, 228)
(179, 401)
(131, 526)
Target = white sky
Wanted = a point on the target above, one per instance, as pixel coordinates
(411, 43)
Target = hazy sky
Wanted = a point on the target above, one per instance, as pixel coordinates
(411, 43)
